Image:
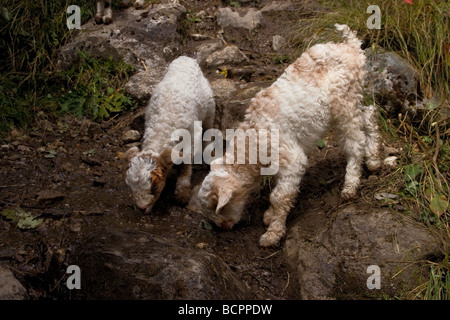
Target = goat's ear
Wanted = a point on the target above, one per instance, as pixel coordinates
(224, 196)
(216, 164)
(166, 157)
(130, 153)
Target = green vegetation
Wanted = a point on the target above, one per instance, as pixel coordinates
(31, 32)
(94, 88)
(418, 32)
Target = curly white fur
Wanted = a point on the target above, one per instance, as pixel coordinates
(182, 97)
(320, 91)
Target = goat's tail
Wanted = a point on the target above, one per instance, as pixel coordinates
(348, 35)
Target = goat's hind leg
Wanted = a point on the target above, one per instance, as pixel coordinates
(107, 17)
(372, 147)
(353, 140)
(183, 187)
(100, 8)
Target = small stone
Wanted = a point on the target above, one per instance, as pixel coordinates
(385, 196)
(392, 150)
(200, 37)
(243, 18)
(131, 136)
(278, 42)
(228, 55)
(99, 181)
(97, 173)
(205, 49)
(398, 207)
(49, 196)
(390, 161)
(202, 245)
(75, 227)
(91, 161)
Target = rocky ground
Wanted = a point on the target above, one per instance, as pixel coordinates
(67, 176)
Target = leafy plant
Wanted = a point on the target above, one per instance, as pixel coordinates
(93, 82)
(24, 220)
(412, 177)
(320, 144)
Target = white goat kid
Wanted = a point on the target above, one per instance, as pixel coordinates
(320, 91)
(181, 98)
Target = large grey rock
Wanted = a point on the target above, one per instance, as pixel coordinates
(230, 55)
(393, 81)
(331, 261)
(141, 38)
(137, 265)
(131, 136)
(245, 18)
(10, 287)
(141, 85)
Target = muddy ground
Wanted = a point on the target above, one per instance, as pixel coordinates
(86, 194)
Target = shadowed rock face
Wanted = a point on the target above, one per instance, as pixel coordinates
(393, 82)
(332, 259)
(10, 287)
(130, 264)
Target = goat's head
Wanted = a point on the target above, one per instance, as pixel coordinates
(146, 175)
(223, 194)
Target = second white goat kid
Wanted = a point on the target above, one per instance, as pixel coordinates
(181, 98)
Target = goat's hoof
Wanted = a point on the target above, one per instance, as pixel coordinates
(98, 19)
(107, 20)
(373, 165)
(183, 197)
(269, 239)
(348, 194)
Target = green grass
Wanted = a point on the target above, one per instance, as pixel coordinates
(418, 32)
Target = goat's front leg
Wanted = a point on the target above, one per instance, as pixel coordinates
(183, 187)
(282, 198)
(100, 8)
